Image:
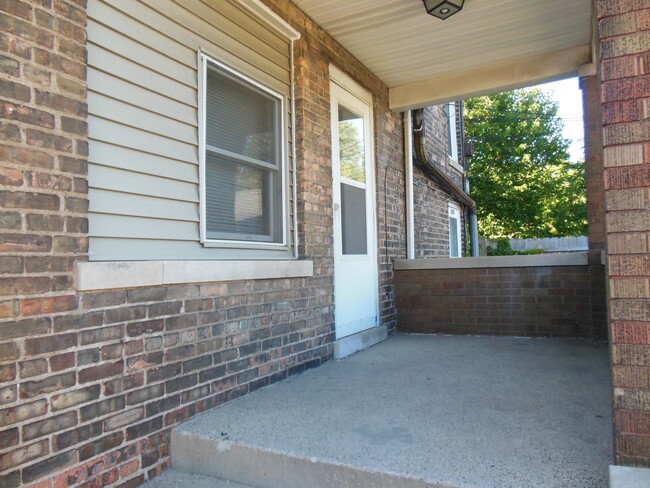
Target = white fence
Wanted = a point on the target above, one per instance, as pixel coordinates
(549, 244)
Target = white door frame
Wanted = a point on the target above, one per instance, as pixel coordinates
(342, 86)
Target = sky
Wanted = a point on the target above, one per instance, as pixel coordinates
(568, 94)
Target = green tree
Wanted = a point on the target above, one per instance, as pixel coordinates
(521, 175)
(351, 150)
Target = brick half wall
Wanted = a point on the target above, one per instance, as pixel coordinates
(548, 295)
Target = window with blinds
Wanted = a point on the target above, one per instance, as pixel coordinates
(243, 170)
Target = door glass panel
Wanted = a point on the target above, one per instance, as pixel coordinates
(351, 145)
(353, 220)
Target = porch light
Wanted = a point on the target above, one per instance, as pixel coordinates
(443, 8)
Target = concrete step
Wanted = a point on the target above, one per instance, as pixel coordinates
(418, 411)
(174, 478)
(269, 468)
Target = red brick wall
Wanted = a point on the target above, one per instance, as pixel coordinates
(313, 54)
(430, 201)
(527, 301)
(624, 30)
(92, 383)
(594, 161)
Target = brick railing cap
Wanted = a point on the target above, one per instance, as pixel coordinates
(554, 259)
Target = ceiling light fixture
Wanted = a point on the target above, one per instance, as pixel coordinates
(443, 8)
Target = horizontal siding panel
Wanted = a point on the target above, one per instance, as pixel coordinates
(143, 120)
(149, 16)
(107, 131)
(133, 22)
(102, 225)
(106, 154)
(239, 26)
(199, 33)
(140, 54)
(240, 16)
(113, 87)
(110, 202)
(105, 178)
(122, 113)
(128, 249)
(104, 60)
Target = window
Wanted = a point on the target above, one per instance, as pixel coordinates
(243, 159)
(455, 239)
(452, 144)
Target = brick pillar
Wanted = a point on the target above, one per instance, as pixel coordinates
(625, 70)
(43, 221)
(592, 115)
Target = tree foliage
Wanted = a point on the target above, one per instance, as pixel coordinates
(520, 174)
(351, 150)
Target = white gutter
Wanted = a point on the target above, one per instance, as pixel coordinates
(408, 163)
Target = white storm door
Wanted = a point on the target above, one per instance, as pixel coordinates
(355, 244)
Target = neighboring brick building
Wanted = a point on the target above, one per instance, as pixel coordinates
(129, 304)
(432, 202)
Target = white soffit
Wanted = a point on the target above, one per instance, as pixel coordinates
(403, 45)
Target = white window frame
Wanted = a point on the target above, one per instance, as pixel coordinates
(203, 61)
(452, 122)
(453, 212)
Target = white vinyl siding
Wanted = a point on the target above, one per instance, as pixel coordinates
(143, 121)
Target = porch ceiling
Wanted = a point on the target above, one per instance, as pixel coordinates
(490, 45)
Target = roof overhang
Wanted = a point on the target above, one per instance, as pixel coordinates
(490, 46)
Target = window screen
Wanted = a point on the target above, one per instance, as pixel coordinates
(243, 167)
(353, 220)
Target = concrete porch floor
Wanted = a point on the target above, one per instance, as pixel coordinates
(460, 411)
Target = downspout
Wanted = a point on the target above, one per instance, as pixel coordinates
(423, 160)
(408, 163)
(473, 232)
(473, 221)
(294, 162)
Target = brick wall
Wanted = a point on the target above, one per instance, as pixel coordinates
(624, 30)
(436, 122)
(593, 131)
(313, 54)
(430, 201)
(521, 301)
(92, 383)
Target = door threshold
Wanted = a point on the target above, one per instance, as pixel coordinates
(346, 346)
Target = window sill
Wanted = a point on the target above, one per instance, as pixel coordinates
(131, 274)
(455, 165)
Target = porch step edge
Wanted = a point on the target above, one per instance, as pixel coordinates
(346, 346)
(174, 478)
(265, 468)
(626, 477)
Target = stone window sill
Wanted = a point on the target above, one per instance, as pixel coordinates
(130, 274)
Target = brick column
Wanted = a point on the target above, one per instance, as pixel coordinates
(625, 91)
(592, 115)
(43, 223)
